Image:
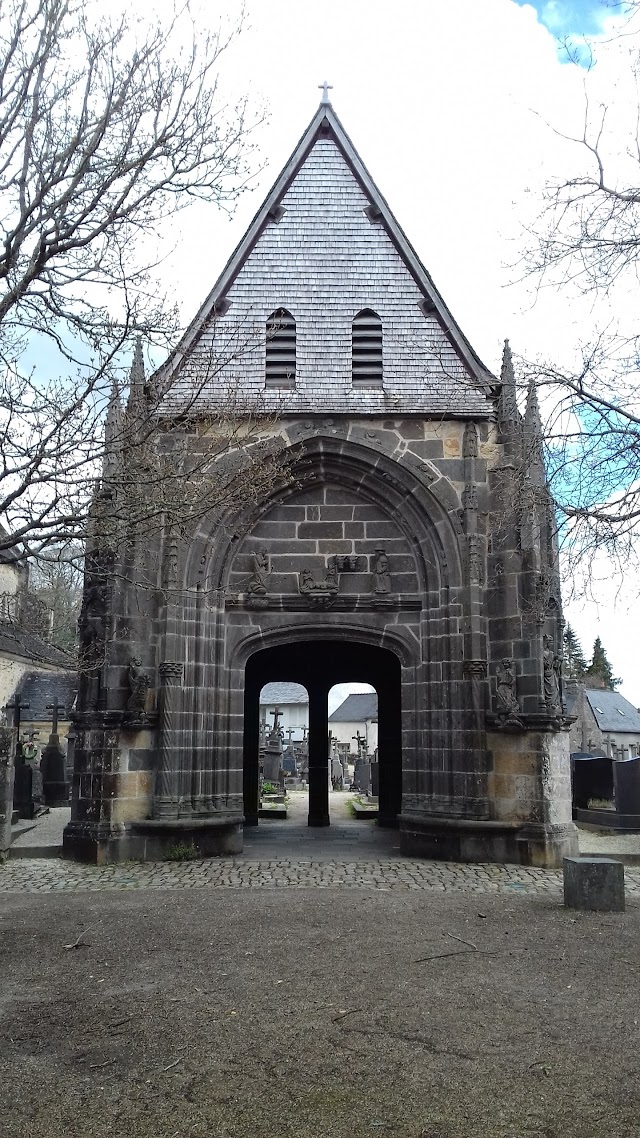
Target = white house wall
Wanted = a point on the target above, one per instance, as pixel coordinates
(294, 715)
(346, 733)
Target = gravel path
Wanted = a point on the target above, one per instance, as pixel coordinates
(316, 1013)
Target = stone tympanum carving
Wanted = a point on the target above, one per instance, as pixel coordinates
(261, 570)
(381, 574)
(308, 582)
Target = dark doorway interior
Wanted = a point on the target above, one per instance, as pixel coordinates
(318, 665)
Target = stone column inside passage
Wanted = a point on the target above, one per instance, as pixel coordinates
(167, 790)
(318, 756)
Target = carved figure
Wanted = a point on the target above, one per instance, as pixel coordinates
(506, 699)
(93, 619)
(331, 576)
(138, 686)
(381, 574)
(470, 497)
(261, 570)
(306, 581)
(552, 667)
(470, 441)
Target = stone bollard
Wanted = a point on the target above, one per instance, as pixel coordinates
(595, 883)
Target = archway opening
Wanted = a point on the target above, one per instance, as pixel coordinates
(353, 746)
(283, 751)
(318, 665)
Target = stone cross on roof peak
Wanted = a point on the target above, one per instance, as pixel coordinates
(325, 88)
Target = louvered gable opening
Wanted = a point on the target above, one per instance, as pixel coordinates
(367, 349)
(281, 350)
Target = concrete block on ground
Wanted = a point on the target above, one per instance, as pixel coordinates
(595, 883)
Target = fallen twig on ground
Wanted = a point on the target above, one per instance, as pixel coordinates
(119, 1022)
(174, 1064)
(79, 943)
(347, 1012)
(459, 952)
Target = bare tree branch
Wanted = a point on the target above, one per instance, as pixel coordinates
(107, 128)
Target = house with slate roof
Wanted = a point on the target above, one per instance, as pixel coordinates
(293, 702)
(606, 723)
(24, 623)
(357, 715)
(38, 690)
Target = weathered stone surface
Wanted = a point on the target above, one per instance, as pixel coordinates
(419, 482)
(595, 883)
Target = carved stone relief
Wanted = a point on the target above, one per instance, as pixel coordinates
(552, 667)
(310, 582)
(261, 572)
(139, 684)
(381, 574)
(507, 706)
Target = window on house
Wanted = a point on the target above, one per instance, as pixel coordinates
(281, 349)
(366, 349)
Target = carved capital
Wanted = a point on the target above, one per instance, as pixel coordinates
(170, 671)
(474, 667)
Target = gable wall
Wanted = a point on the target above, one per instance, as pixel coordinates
(325, 261)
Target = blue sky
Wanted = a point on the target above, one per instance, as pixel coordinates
(570, 17)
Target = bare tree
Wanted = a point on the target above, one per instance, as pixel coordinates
(587, 241)
(107, 127)
(58, 584)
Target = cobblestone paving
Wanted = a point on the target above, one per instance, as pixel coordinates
(52, 875)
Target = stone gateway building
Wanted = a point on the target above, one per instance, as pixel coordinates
(410, 546)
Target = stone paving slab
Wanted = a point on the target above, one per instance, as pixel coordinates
(46, 875)
(46, 830)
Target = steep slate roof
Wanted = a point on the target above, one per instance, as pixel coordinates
(612, 712)
(283, 693)
(40, 688)
(356, 708)
(16, 641)
(325, 245)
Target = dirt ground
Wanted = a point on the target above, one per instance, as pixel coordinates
(316, 1012)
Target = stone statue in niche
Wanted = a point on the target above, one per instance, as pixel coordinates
(261, 570)
(138, 686)
(552, 668)
(381, 574)
(506, 699)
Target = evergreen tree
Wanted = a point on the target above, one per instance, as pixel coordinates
(573, 657)
(600, 669)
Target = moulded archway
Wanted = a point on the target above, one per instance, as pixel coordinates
(420, 622)
(318, 665)
(422, 501)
